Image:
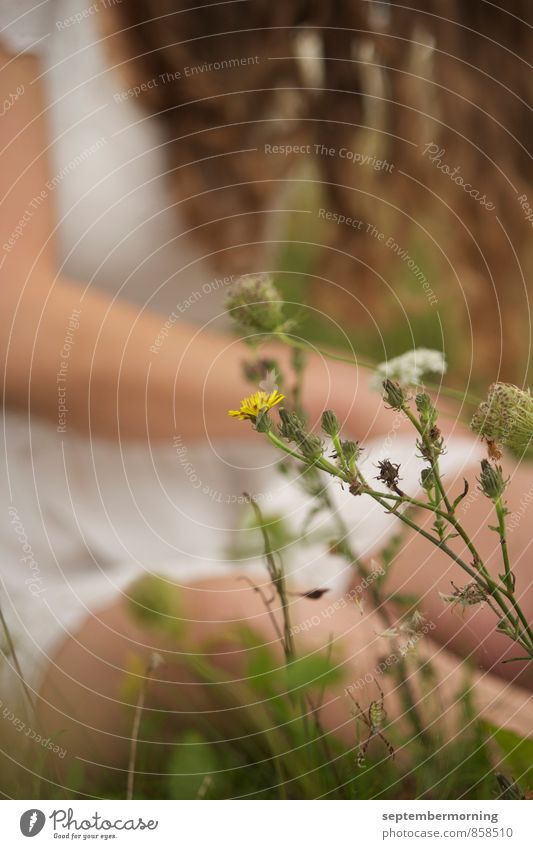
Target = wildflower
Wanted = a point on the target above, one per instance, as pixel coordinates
(409, 368)
(466, 596)
(256, 305)
(491, 480)
(506, 418)
(255, 404)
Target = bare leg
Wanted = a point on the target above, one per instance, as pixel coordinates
(84, 692)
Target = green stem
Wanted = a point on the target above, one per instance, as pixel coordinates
(277, 577)
(13, 653)
(508, 575)
(434, 460)
(481, 576)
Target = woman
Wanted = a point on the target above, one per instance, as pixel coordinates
(136, 181)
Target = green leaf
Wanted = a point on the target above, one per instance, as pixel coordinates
(193, 763)
(311, 671)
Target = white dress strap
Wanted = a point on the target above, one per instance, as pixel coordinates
(26, 25)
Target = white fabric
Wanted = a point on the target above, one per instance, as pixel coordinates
(79, 518)
(25, 25)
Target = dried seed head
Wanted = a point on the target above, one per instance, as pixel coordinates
(466, 596)
(389, 474)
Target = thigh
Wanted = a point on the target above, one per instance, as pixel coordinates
(86, 697)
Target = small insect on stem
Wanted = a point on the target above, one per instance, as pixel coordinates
(374, 719)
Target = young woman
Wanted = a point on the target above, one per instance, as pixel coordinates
(144, 163)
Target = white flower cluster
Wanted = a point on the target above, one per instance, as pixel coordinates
(409, 368)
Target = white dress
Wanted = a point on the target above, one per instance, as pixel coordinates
(81, 517)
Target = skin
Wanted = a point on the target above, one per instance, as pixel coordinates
(472, 630)
(84, 692)
(119, 390)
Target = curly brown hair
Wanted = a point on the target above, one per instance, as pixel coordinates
(427, 88)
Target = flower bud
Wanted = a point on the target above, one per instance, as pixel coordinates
(491, 480)
(330, 423)
(393, 394)
(263, 422)
(426, 410)
(293, 430)
(350, 450)
(311, 446)
(427, 479)
(291, 427)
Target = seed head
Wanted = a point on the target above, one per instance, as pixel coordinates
(466, 596)
(256, 305)
(389, 474)
(506, 418)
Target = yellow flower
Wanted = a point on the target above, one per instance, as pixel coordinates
(254, 404)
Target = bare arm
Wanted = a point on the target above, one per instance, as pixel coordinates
(112, 382)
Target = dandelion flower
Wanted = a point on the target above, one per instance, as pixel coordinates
(255, 404)
(409, 368)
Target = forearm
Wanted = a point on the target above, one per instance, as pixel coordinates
(64, 346)
(86, 362)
